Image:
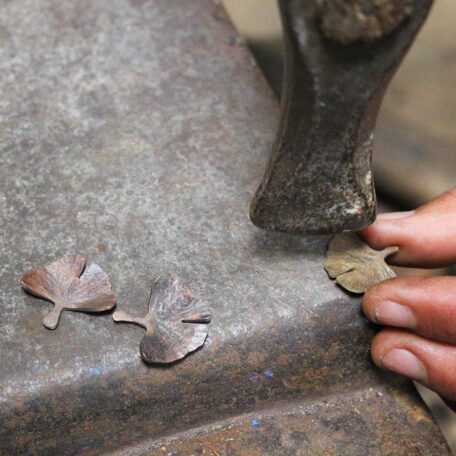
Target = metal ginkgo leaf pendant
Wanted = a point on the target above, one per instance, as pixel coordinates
(355, 265)
(61, 282)
(175, 324)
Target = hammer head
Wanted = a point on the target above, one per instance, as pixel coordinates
(340, 56)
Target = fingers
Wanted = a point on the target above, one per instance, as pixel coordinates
(425, 237)
(428, 362)
(426, 306)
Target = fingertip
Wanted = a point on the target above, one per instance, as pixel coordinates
(405, 362)
(380, 291)
(386, 232)
(395, 215)
(368, 303)
(376, 235)
(368, 233)
(386, 224)
(425, 236)
(380, 346)
(384, 341)
(427, 361)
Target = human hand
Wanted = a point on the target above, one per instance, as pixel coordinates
(420, 341)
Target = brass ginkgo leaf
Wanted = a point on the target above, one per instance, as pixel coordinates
(355, 265)
(175, 324)
(61, 282)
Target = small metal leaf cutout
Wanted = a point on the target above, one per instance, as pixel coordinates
(355, 265)
(61, 282)
(175, 324)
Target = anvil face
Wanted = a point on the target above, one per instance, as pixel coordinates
(319, 177)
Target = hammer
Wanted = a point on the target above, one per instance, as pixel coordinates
(340, 56)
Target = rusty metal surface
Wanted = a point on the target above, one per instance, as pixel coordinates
(318, 427)
(319, 177)
(133, 133)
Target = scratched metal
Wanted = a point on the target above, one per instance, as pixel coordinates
(134, 134)
(309, 429)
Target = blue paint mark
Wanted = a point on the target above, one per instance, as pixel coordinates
(255, 422)
(269, 373)
(95, 370)
(253, 377)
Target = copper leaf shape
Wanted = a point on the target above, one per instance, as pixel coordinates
(355, 265)
(61, 282)
(175, 323)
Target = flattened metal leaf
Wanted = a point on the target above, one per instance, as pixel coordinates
(176, 324)
(61, 283)
(355, 265)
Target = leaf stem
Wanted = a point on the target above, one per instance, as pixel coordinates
(51, 320)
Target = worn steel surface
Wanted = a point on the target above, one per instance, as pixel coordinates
(316, 427)
(133, 133)
(319, 177)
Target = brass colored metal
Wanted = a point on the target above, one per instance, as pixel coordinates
(175, 323)
(61, 282)
(354, 265)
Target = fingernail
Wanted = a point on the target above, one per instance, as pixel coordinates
(394, 215)
(405, 363)
(393, 314)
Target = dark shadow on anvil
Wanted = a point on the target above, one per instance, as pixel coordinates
(268, 244)
(164, 367)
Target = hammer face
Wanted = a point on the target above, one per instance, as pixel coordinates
(319, 177)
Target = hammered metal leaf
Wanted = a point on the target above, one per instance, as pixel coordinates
(61, 282)
(175, 323)
(356, 266)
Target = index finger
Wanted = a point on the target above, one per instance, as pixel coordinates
(426, 237)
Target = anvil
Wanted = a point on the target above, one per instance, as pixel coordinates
(134, 133)
(339, 58)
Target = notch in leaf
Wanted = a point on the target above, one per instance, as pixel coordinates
(175, 323)
(61, 282)
(355, 265)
